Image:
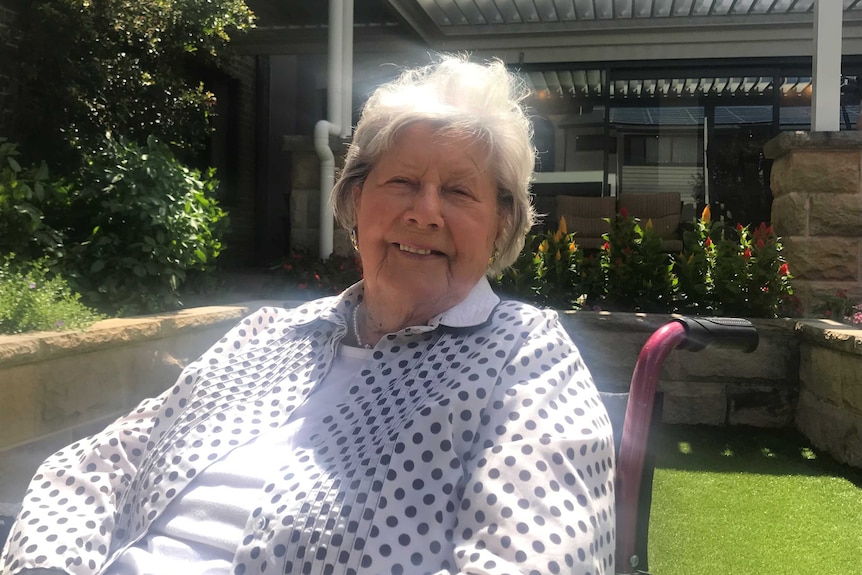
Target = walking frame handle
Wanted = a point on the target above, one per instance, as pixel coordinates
(693, 334)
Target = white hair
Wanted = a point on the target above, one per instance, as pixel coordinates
(462, 98)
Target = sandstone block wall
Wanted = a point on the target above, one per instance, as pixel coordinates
(817, 209)
(713, 386)
(829, 412)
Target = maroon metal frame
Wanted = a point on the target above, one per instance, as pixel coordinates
(630, 459)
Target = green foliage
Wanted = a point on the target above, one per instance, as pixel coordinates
(635, 269)
(552, 271)
(31, 299)
(309, 276)
(732, 271)
(24, 192)
(720, 271)
(143, 221)
(85, 67)
(838, 307)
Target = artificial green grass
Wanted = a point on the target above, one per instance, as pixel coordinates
(746, 501)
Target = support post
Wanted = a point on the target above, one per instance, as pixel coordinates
(826, 96)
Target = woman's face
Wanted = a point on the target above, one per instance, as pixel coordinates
(427, 219)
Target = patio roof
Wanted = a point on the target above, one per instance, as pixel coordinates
(468, 17)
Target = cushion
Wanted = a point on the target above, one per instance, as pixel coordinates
(584, 216)
(663, 208)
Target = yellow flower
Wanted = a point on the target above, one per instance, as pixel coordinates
(562, 229)
(572, 247)
(558, 236)
(543, 247)
(649, 224)
(558, 255)
(706, 216)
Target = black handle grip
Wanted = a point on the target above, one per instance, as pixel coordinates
(725, 332)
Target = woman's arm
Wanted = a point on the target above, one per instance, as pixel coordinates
(70, 509)
(539, 495)
(68, 512)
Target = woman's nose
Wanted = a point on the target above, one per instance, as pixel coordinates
(426, 209)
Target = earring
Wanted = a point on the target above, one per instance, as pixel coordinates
(494, 255)
(353, 241)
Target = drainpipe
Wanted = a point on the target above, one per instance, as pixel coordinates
(340, 82)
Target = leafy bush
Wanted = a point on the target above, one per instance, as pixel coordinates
(732, 271)
(635, 269)
(552, 271)
(720, 271)
(24, 193)
(84, 68)
(142, 222)
(33, 300)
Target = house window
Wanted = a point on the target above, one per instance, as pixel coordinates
(652, 150)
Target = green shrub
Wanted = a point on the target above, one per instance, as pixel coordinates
(134, 68)
(141, 222)
(553, 271)
(732, 271)
(636, 271)
(720, 271)
(24, 194)
(33, 300)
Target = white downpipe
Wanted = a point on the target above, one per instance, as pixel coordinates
(346, 117)
(340, 82)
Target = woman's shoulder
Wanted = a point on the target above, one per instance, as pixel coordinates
(523, 313)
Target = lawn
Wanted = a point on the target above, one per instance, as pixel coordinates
(751, 501)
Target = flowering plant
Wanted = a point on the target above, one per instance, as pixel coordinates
(731, 271)
(550, 271)
(839, 307)
(720, 271)
(635, 269)
(310, 276)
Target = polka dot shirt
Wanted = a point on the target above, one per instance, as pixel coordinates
(475, 444)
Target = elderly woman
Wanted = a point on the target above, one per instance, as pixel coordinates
(413, 424)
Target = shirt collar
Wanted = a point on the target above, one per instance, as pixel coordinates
(474, 310)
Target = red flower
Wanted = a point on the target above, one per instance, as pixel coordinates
(747, 253)
(708, 242)
(606, 246)
(739, 227)
(624, 213)
(783, 270)
(760, 245)
(303, 285)
(287, 267)
(627, 250)
(317, 276)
